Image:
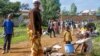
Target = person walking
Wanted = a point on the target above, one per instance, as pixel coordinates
(8, 31)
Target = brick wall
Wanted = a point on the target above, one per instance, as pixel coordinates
(81, 18)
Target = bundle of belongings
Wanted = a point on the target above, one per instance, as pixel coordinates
(53, 50)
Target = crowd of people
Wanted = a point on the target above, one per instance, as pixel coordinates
(68, 28)
(82, 31)
(53, 27)
(56, 26)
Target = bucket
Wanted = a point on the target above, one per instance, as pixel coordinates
(69, 48)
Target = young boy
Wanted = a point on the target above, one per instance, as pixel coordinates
(68, 40)
(67, 35)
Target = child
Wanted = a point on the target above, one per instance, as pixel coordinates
(69, 48)
(67, 35)
(87, 43)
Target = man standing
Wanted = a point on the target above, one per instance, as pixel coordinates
(8, 31)
(35, 30)
(51, 28)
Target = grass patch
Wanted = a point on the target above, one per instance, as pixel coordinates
(20, 34)
(96, 46)
(96, 49)
(96, 42)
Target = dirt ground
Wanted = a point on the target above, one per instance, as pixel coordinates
(23, 48)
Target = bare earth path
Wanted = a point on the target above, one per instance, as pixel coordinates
(23, 48)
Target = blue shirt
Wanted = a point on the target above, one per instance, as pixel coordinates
(8, 26)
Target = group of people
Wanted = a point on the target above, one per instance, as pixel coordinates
(53, 27)
(34, 31)
(82, 31)
(83, 36)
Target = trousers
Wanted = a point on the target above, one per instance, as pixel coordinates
(7, 41)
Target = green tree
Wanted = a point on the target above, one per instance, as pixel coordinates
(73, 9)
(7, 7)
(51, 9)
(65, 13)
(98, 11)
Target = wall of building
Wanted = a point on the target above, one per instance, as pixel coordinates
(80, 18)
